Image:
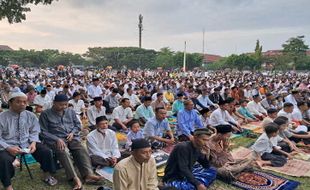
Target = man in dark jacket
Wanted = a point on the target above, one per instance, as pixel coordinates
(180, 171)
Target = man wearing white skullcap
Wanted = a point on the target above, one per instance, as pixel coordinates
(19, 134)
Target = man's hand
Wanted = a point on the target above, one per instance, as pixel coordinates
(113, 161)
(289, 156)
(226, 144)
(61, 145)
(236, 129)
(70, 137)
(201, 187)
(124, 127)
(32, 147)
(170, 141)
(14, 150)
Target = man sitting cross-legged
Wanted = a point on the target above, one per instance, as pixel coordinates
(188, 119)
(179, 171)
(157, 128)
(228, 167)
(102, 144)
(60, 130)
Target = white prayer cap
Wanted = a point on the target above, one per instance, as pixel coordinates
(17, 94)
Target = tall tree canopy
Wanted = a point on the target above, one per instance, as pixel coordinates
(295, 48)
(15, 10)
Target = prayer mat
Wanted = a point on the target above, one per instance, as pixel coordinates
(168, 149)
(172, 120)
(256, 127)
(235, 136)
(29, 159)
(241, 153)
(258, 180)
(106, 172)
(304, 148)
(293, 167)
(160, 157)
(121, 138)
(302, 156)
(161, 171)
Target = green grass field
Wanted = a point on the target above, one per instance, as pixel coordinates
(22, 181)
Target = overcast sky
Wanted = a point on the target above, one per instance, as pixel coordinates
(232, 26)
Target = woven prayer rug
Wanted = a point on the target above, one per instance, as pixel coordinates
(256, 127)
(293, 167)
(305, 149)
(263, 181)
(241, 153)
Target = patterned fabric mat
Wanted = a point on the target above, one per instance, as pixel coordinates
(294, 167)
(258, 180)
(256, 127)
(241, 153)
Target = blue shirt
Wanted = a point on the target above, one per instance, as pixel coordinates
(18, 129)
(245, 112)
(154, 127)
(145, 112)
(55, 126)
(187, 120)
(131, 136)
(177, 106)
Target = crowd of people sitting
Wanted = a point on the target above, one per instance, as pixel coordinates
(73, 119)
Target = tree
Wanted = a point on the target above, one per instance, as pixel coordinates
(241, 62)
(117, 57)
(258, 53)
(15, 10)
(164, 58)
(296, 49)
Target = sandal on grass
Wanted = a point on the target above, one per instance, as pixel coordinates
(51, 181)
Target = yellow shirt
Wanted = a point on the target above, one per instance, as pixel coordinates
(130, 175)
(169, 97)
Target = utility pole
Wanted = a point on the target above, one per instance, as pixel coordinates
(203, 46)
(140, 25)
(184, 58)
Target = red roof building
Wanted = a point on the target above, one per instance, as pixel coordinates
(210, 58)
(5, 48)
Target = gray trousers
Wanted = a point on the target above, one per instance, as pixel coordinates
(80, 157)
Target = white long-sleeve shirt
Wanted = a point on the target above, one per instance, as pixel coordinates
(105, 146)
(93, 113)
(256, 108)
(205, 101)
(94, 91)
(45, 102)
(291, 99)
(221, 117)
(134, 100)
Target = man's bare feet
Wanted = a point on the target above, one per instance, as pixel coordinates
(262, 163)
(9, 188)
(93, 179)
(78, 184)
(16, 163)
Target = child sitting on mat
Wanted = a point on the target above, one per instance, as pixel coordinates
(205, 118)
(134, 133)
(285, 133)
(269, 153)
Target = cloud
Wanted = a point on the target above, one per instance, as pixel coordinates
(232, 26)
